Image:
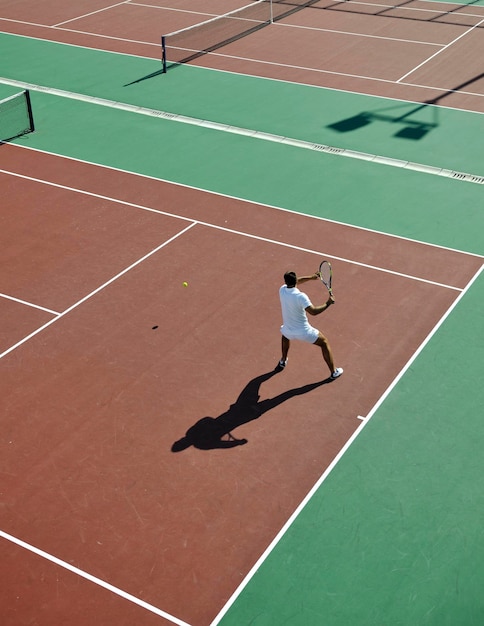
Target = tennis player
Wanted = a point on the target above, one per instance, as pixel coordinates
(295, 306)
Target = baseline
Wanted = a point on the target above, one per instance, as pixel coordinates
(128, 393)
(125, 393)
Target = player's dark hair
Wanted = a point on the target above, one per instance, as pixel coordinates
(290, 279)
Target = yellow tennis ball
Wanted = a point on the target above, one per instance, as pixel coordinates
(185, 284)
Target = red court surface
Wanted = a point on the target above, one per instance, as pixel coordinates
(94, 400)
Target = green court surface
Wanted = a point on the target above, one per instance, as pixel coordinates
(389, 127)
(7, 91)
(394, 535)
(402, 202)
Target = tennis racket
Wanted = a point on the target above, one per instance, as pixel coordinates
(326, 275)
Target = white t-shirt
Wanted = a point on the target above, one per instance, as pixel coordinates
(293, 305)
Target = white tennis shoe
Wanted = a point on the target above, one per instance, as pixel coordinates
(337, 373)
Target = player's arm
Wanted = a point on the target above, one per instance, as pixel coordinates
(304, 279)
(316, 310)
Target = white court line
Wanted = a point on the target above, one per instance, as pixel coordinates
(337, 258)
(443, 12)
(290, 520)
(451, 43)
(353, 34)
(91, 578)
(338, 457)
(97, 290)
(101, 36)
(80, 17)
(82, 32)
(437, 89)
(224, 195)
(233, 231)
(387, 81)
(149, 607)
(35, 306)
(152, 6)
(254, 134)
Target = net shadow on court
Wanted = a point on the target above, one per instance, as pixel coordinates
(442, 17)
(188, 44)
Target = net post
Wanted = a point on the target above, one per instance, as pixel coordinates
(163, 53)
(272, 13)
(29, 110)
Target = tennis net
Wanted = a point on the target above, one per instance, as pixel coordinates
(16, 117)
(190, 43)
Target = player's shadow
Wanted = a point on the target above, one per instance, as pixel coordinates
(215, 432)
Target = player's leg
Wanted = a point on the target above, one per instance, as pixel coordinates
(323, 343)
(285, 344)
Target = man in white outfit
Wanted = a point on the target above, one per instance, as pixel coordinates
(295, 305)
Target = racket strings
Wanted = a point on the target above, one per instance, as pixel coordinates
(325, 273)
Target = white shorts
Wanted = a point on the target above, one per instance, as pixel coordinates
(310, 335)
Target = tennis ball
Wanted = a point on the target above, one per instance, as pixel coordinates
(185, 284)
